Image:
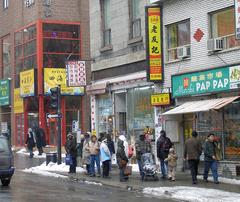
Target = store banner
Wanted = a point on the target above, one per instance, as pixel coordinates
(160, 99)
(57, 77)
(76, 73)
(4, 92)
(237, 18)
(27, 86)
(154, 44)
(18, 102)
(212, 80)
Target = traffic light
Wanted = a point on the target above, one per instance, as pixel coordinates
(54, 98)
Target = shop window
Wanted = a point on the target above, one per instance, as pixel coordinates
(6, 57)
(178, 38)
(106, 29)
(135, 19)
(60, 42)
(25, 51)
(5, 4)
(222, 27)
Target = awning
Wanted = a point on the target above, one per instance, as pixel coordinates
(201, 106)
(95, 89)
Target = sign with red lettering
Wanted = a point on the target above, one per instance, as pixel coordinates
(237, 19)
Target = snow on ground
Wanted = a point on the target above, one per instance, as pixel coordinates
(193, 194)
(44, 173)
(135, 168)
(23, 151)
(223, 180)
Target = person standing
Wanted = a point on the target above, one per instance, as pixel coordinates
(30, 142)
(172, 164)
(192, 153)
(71, 148)
(163, 146)
(142, 146)
(86, 153)
(111, 148)
(210, 160)
(105, 157)
(40, 139)
(94, 148)
(122, 160)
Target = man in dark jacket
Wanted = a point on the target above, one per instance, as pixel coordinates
(122, 160)
(111, 148)
(192, 152)
(71, 148)
(40, 139)
(210, 160)
(142, 146)
(163, 146)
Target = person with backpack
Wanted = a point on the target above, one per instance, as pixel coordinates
(163, 146)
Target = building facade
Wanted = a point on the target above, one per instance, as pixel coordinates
(120, 93)
(36, 39)
(201, 55)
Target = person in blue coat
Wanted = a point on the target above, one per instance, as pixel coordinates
(105, 157)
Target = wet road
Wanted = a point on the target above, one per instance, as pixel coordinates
(30, 187)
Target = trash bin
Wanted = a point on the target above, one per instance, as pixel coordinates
(51, 157)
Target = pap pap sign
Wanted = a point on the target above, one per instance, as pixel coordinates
(213, 80)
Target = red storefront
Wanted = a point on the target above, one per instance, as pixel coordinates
(45, 44)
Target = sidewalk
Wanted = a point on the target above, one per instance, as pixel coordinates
(134, 183)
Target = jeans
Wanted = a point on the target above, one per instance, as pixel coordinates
(93, 159)
(106, 166)
(164, 166)
(193, 166)
(140, 167)
(72, 168)
(213, 165)
(122, 176)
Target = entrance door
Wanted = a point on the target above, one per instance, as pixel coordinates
(19, 130)
(120, 111)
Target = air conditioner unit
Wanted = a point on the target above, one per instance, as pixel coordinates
(215, 44)
(183, 52)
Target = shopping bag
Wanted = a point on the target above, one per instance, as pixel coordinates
(128, 170)
(68, 160)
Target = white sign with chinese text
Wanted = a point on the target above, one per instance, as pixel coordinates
(237, 19)
(76, 73)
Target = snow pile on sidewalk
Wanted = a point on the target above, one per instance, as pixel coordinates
(193, 194)
(48, 170)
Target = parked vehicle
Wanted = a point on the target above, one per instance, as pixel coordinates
(6, 161)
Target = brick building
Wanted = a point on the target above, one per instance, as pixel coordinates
(36, 39)
(201, 55)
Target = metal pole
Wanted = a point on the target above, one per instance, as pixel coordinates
(59, 145)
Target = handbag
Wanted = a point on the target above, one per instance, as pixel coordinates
(68, 160)
(128, 170)
(122, 163)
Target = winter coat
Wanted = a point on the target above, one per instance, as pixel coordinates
(209, 150)
(93, 147)
(111, 147)
(163, 146)
(121, 155)
(172, 160)
(86, 153)
(30, 140)
(40, 137)
(125, 143)
(193, 149)
(71, 146)
(104, 152)
(142, 147)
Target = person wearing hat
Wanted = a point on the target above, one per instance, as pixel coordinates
(172, 164)
(71, 148)
(210, 160)
(142, 146)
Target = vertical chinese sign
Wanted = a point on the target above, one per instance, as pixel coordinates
(237, 19)
(27, 83)
(154, 44)
(4, 92)
(18, 102)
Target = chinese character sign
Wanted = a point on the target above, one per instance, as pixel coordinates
(237, 19)
(4, 92)
(160, 99)
(76, 73)
(27, 87)
(154, 39)
(18, 102)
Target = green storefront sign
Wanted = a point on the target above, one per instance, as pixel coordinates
(4, 92)
(214, 80)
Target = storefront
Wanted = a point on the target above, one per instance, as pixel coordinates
(208, 102)
(41, 50)
(123, 107)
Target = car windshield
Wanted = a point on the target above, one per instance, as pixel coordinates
(4, 145)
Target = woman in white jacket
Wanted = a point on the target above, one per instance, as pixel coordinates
(105, 158)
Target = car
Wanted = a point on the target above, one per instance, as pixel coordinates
(6, 161)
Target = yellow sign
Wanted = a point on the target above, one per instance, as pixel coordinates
(18, 102)
(154, 44)
(160, 99)
(57, 77)
(27, 83)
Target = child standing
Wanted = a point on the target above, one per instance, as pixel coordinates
(172, 164)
